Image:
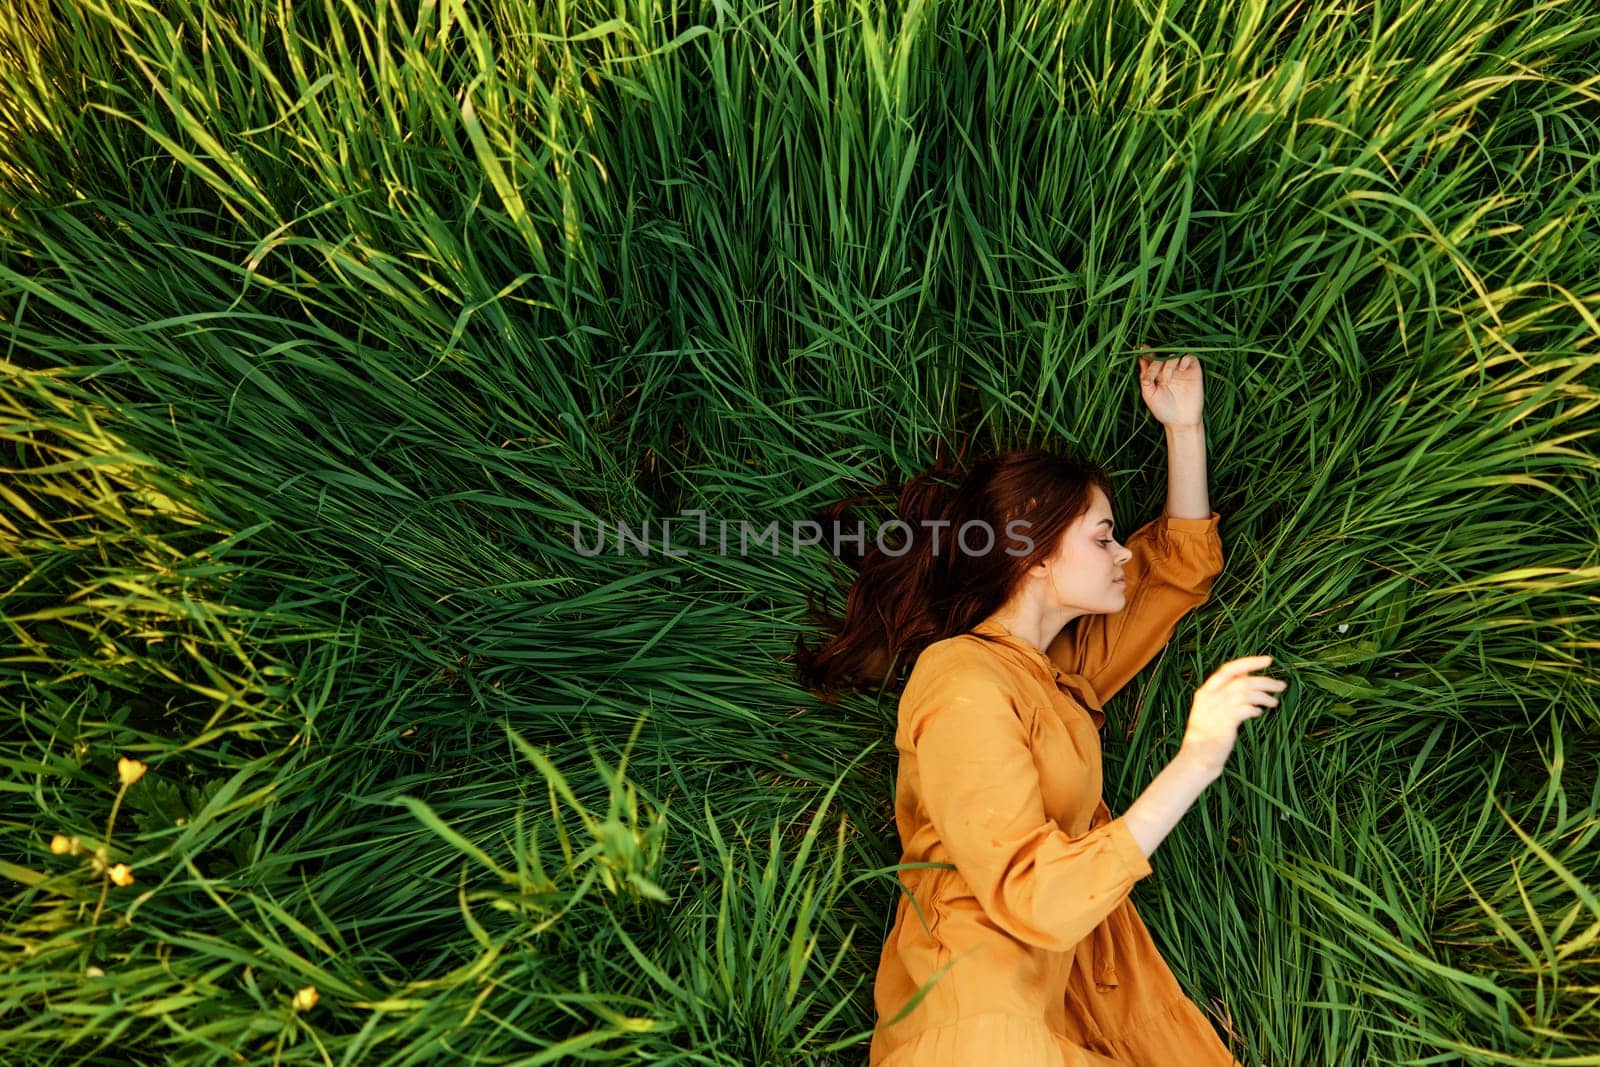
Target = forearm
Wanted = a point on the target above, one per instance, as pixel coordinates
(1188, 495)
(1157, 810)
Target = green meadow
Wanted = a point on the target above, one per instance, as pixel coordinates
(327, 326)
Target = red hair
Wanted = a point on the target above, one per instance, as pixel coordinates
(900, 602)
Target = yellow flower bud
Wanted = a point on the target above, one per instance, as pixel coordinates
(62, 845)
(306, 999)
(130, 770)
(121, 875)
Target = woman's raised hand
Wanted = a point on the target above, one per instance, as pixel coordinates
(1173, 389)
(1232, 694)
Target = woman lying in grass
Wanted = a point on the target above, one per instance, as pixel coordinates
(1028, 950)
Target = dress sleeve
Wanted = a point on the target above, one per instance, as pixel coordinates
(981, 791)
(1174, 563)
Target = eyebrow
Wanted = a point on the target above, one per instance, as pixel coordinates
(1106, 522)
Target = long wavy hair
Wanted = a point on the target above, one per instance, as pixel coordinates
(928, 587)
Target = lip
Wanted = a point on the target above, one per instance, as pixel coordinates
(1120, 581)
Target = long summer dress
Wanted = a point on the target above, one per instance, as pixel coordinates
(1046, 963)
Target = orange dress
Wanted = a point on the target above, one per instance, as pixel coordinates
(1035, 954)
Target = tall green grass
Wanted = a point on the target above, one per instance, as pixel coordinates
(324, 323)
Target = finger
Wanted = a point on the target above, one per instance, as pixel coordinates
(1251, 695)
(1238, 694)
(1233, 669)
(1261, 682)
(1242, 665)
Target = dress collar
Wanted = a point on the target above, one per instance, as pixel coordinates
(993, 628)
(1078, 685)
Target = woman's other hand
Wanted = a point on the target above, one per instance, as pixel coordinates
(1173, 389)
(1231, 695)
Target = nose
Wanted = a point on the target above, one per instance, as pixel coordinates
(1127, 554)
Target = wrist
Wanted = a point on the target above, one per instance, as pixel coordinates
(1200, 764)
(1182, 428)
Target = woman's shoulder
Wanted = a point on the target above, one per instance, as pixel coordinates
(957, 672)
(962, 659)
(951, 650)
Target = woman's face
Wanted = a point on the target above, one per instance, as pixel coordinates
(1086, 569)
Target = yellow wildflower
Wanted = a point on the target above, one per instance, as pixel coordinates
(121, 875)
(306, 999)
(62, 845)
(130, 770)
